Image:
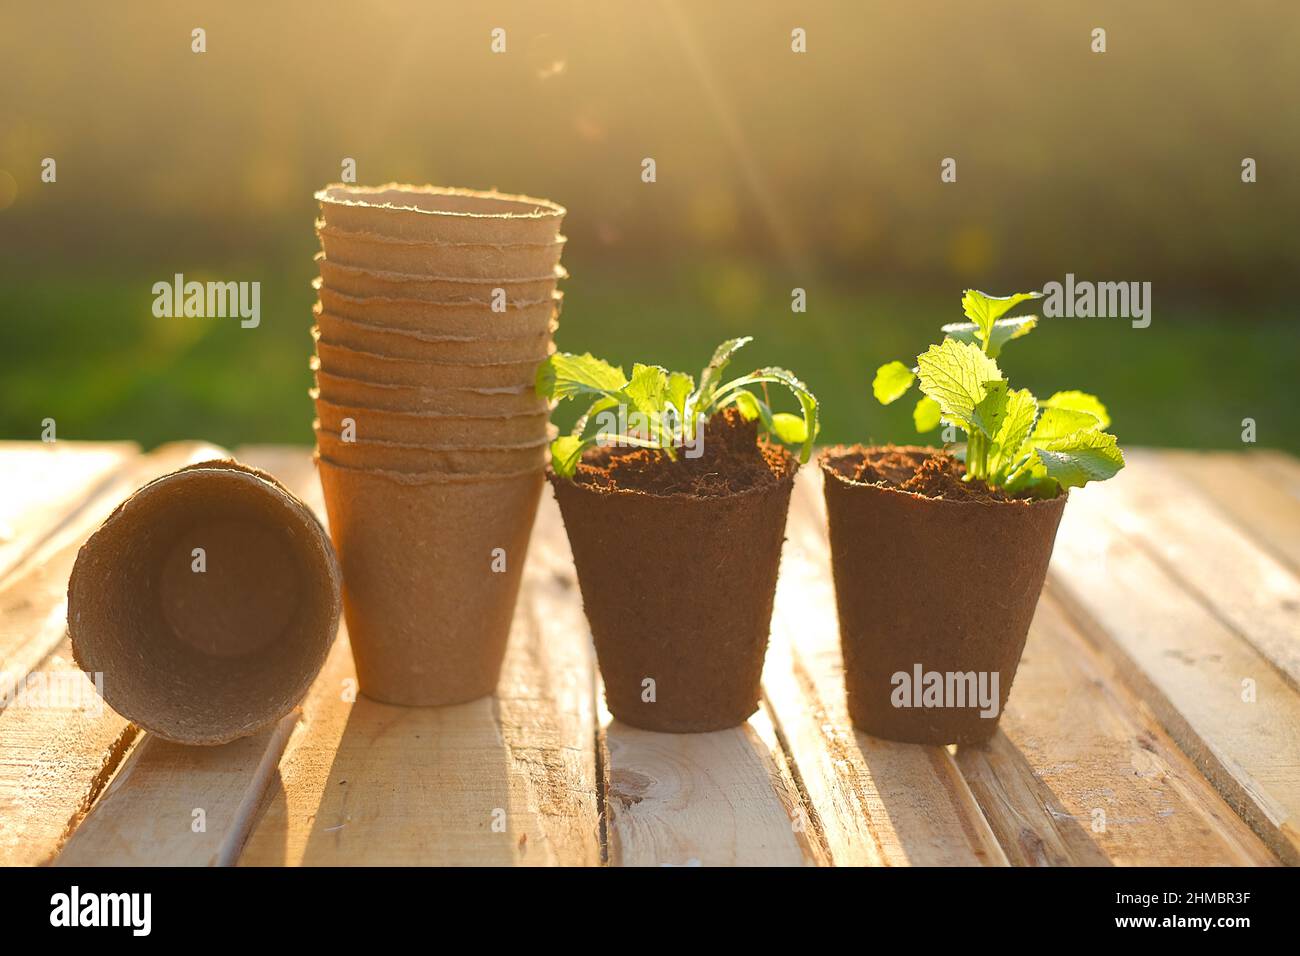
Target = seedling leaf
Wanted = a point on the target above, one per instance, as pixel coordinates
(891, 382)
(1004, 330)
(926, 415)
(956, 376)
(1079, 401)
(983, 310)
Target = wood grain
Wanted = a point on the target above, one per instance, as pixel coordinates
(1224, 703)
(1081, 774)
(42, 484)
(1196, 543)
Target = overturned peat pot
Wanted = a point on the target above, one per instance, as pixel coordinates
(207, 601)
(677, 561)
(936, 581)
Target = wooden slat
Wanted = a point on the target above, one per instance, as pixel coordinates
(1259, 504)
(368, 783)
(718, 799)
(1080, 773)
(41, 484)
(172, 805)
(1247, 587)
(1278, 467)
(54, 761)
(873, 802)
(1190, 668)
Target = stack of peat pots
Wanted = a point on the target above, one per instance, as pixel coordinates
(435, 308)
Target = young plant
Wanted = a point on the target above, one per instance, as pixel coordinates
(1013, 440)
(655, 408)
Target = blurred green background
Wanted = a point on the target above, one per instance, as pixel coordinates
(775, 170)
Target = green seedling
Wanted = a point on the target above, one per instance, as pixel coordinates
(659, 409)
(1013, 440)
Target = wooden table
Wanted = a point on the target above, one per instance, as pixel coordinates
(1155, 718)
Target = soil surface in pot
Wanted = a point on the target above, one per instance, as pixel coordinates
(922, 471)
(655, 542)
(732, 460)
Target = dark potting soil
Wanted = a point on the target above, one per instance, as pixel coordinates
(732, 460)
(922, 471)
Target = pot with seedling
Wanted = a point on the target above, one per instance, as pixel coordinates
(939, 555)
(675, 509)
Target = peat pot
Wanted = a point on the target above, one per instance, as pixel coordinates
(935, 597)
(678, 590)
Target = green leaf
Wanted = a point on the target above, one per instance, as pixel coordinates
(891, 382)
(807, 401)
(566, 452)
(1074, 460)
(991, 409)
(926, 414)
(1080, 402)
(787, 428)
(956, 376)
(1059, 422)
(711, 377)
(1011, 434)
(790, 429)
(647, 391)
(564, 375)
(984, 310)
(680, 386)
(1004, 330)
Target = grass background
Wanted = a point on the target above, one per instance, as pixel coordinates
(818, 171)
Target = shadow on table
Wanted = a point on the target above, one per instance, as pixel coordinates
(406, 786)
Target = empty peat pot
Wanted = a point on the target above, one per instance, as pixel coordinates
(935, 597)
(208, 601)
(678, 590)
(431, 571)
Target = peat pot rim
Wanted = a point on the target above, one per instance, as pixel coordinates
(515, 305)
(421, 478)
(830, 456)
(382, 359)
(419, 415)
(419, 335)
(376, 238)
(316, 556)
(538, 443)
(315, 394)
(410, 278)
(349, 194)
(704, 501)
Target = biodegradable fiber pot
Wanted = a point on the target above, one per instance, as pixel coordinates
(390, 370)
(452, 460)
(678, 589)
(377, 424)
(422, 347)
(440, 213)
(342, 390)
(369, 250)
(353, 281)
(443, 319)
(202, 649)
(946, 586)
(428, 599)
